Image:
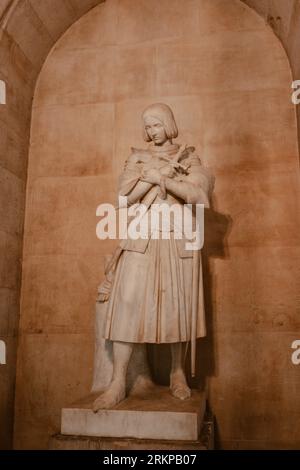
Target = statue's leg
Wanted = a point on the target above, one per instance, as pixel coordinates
(116, 390)
(139, 379)
(178, 385)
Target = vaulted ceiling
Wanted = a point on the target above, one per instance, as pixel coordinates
(35, 25)
(284, 18)
(29, 29)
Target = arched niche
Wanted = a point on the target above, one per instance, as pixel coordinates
(227, 78)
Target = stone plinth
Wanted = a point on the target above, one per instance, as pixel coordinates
(154, 415)
(204, 442)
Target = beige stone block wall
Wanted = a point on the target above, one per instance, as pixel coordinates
(15, 70)
(28, 29)
(228, 80)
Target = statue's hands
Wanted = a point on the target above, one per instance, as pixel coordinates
(104, 291)
(151, 176)
(169, 171)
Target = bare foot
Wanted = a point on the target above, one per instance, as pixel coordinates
(179, 387)
(110, 397)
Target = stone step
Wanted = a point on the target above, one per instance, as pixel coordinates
(152, 415)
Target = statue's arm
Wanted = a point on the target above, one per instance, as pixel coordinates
(130, 184)
(138, 192)
(195, 187)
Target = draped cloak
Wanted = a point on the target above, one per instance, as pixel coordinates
(151, 295)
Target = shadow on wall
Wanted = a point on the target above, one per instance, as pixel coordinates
(217, 230)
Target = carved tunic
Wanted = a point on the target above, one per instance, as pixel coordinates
(151, 296)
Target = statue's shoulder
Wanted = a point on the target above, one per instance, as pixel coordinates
(196, 166)
(190, 157)
(139, 155)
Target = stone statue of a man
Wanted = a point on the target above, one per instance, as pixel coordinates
(151, 289)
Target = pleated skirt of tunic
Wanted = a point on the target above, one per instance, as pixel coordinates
(151, 296)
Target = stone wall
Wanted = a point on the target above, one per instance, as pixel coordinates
(28, 29)
(17, 72)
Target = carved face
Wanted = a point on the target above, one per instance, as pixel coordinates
(155, 130)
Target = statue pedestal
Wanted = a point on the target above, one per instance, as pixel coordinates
(154, 415)
(204, 442)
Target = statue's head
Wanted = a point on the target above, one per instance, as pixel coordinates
(159, 124)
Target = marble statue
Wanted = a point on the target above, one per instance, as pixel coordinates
(153, 290)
